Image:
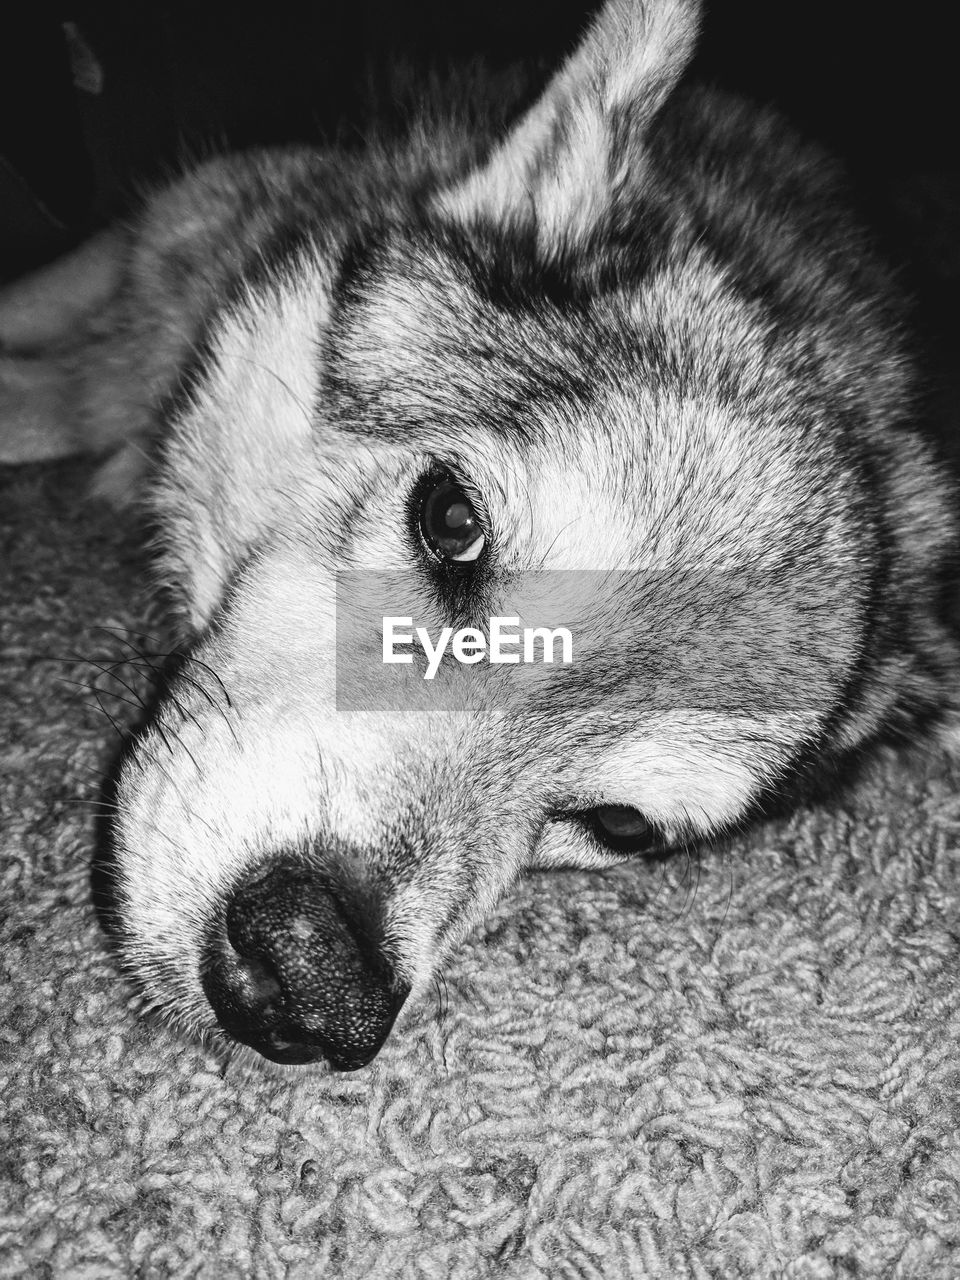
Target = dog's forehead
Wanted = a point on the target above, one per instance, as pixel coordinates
(441, 338)
(430, 332)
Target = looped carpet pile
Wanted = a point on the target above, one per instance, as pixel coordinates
(744, 1066)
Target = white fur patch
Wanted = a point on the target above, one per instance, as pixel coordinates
(680, 777)
(245, 438)
(689, 773)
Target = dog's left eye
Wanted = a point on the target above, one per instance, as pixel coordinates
(624, 829)
(449, 523)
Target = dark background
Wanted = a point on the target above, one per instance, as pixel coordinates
(97, 99)
(145, 80)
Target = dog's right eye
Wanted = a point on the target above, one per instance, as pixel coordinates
(449, 525)
(626, 830)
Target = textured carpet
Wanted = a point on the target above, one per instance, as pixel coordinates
(745, 1067)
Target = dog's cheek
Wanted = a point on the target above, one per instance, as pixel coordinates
(241, 438)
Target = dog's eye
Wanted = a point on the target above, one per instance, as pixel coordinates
(623, 829)
(449, 524)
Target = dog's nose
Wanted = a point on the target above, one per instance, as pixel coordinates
(298, 974)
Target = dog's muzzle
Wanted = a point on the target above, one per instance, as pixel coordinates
(298, 974)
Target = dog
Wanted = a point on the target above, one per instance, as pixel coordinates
(630, 366)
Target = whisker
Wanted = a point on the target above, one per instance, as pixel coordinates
(135, 649)
(123, 735)
(105, 806)
(165, 655)
(204, 666)
(93, 776)
(691, 877)
(111, 673)
(188, 715)
(257, 364)
(560, 532)
(82, 684)
(185, 713)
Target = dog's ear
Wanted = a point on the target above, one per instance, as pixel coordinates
(561, 168)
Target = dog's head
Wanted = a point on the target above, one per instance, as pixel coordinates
(535, 401)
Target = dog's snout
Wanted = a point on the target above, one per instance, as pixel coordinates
(298, 971)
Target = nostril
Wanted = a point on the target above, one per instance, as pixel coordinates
(294, 974)
(260, 986)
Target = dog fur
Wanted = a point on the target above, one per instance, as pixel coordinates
(645, 334)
